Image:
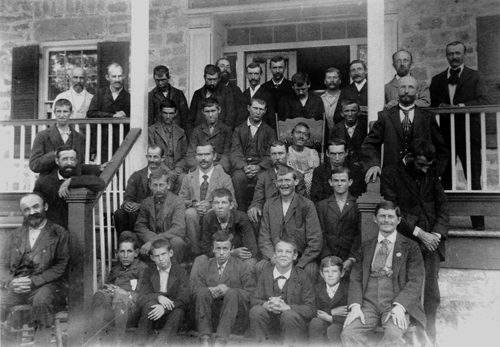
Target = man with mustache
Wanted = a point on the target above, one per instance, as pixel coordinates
(402, 61)
(110, 102)
(55, 186)
(212, 88)
(35, 259)
(461, 86)
(415, 187)
(332, 94)
(278, 86)
(240, 105)
(357, 90)
(78, 95)
(196, 191)
(256, 90)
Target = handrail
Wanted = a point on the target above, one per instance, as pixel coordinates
(71, 121)
(467, 109)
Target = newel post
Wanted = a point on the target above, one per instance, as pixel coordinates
(81, 276)
(366, 205)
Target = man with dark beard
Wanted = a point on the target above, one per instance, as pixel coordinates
(55, 186)
(240, 102)
(33, 266)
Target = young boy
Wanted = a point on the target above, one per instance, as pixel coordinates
(117, 300)
(331, 301)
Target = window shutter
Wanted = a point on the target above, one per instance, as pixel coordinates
(113, 52)
(25, 71)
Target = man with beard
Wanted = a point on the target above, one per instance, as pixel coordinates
(396, 128)
(34, 264)
(137, 190)
(415, 187)
(256, 90)
(55, 186)
(290, 216)
(402, 61)
(240, 104)
(249, 155)
(357, 90)
(331, 95)
(212, 88)
(278, 86)
(78, 95)
(164, 90)
(111, 102)
(196, 191)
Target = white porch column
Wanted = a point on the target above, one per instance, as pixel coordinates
(376, 58)
(139, 74)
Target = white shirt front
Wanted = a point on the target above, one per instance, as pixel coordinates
(253, 91)
(164, 274)
(411, 113)
(281, 281)
(253, 128)
(209, 174)
(359, 86)
(332, 290)
(34, 233)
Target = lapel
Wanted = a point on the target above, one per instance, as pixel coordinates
(292, 208)
(144, 178)
(44, 239)
(464, 78)
(195, 183)
(229, 271)
(418, 120)
(172, 278)
(443, 80)
(276, 213)
(245, 133)
(291, 286)
(339, 294)
(332, 205)
(367, 260)
(109, 96)
(397, 261)
(55, 137)
(212, 182)
(176, 136)
(21, 241)
(213, 271)
(394, 82)
(409, 182)
(230, 222)
(161, 132)
(396, 120)
(155, 280)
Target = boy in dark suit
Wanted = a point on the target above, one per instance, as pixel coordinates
(331, 302)
(163, 295)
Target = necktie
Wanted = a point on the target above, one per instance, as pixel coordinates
(204, 188)
(381, 256)
(406, 121)
(454, 77)
(221, 270)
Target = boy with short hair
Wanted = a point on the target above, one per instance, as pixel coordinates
(331, 301)
(117, 301)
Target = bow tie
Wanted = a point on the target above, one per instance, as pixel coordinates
(280, 278)
(454, 76)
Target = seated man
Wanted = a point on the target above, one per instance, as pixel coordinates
(249, 154)
(223, 293)
(339, 218)
(162, 216)
(331, 302)
(168, 135)
(214, 132)
(266, 188)
(55, 186)
(137, 190)
(385, 285)
(163, 296)
(33, 267)
(283, 303)
(117, 301)
(293, 217)
(196, 191)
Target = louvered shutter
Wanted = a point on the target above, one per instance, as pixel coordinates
(25, 71)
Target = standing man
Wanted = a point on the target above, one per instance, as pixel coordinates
(111, 102)
(396, 128)
(249, 151)
(258, 91)
(240, 104)
(460, 86)
(212, 88)
(172, 139)
(331, 95)
(385, 284)
(196, 191)
(402, 61)
(278, 86)
(214, 132)
(33, 269)
(357, 90)
(302, 103)
(78, 95)
(290, 216)
(164, 90)
(414, 186)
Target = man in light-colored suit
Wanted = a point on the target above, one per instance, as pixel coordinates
(78, 95)
(196, 191)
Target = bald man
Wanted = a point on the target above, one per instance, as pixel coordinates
(397, 127)
(78, 95)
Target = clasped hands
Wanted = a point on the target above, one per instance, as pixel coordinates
(21, 284)
(276, 305)
(219, 291)
(251, 170)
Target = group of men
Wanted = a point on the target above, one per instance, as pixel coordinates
(217, 194)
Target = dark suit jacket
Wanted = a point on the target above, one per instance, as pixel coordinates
(407, 277)
(238, 225)
(321, 189)
(138, 187)
(240, 104)
(422, 204)
(341, 230)
(291, 107)
(155, 97)
(177, 286)
(121, 277)
(240, 143)
(42, 159)
(301, 222)
(284, 89)
(49, 186)
(158, 136)
(326, 304)
(354, 143)
(351, 92)
(171, 218)
(265, 188)
(262, 93)
(388, 130)
(50, 255)
(300, 292)
(220, 140)
(103, 105)
(227, 114)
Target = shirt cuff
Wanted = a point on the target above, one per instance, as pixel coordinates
(352, 259)
(416, 231)
(353, 305)
(398, 304)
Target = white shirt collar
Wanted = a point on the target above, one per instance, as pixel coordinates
(332, 289)
(359, 86)
(82, 93)
(391, 237)
(277, 274)
(223, 266)
(461, 67)
(209, 174)
(60, 177)
(278, 83)
(251, 125)
(407, 108)
(164, 271)
(39, 228)
(253, 91)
